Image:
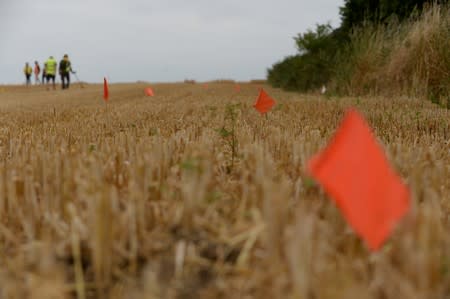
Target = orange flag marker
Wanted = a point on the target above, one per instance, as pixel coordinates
(355, 173)
(149, 92)
(105, 90)
(237, 88)
(264, 102)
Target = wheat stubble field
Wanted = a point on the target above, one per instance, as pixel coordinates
(158, 197)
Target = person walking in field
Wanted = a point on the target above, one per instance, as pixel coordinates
(50, 71)
(27, 70)
(37, 72)
(65, 68)
(44, 74)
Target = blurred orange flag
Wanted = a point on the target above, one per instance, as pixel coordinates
(149, 92)
(355, 173)
(264, 102)
(105, 90)
(237, 88)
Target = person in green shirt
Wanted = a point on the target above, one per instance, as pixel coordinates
(65, 68)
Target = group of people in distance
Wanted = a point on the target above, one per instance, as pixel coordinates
(49, 70)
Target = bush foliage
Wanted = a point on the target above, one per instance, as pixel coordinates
(381, 47)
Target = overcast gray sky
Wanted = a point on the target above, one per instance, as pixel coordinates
(156, 40)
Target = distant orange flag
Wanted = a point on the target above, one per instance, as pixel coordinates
(105, 90)
(149, 92)
(264, 102)
(237, 88)
(205, 86)
(355, 173)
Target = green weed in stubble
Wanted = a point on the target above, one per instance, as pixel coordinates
(213, 196)
(278, 107)
(228, 131)
(190, 165)
(152, 132)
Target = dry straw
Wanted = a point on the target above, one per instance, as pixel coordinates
(392, 59)
(142, 203)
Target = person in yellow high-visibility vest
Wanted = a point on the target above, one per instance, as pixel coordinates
(28, 70)
(50, 70)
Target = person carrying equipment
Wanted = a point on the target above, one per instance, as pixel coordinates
(37, 72)
(27, 70)
(65, 68)
(50, 70)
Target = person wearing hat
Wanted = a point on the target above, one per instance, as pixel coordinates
(65, 68)
(50, 70)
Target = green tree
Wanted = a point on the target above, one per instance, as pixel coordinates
(355, 13)
(314, 41)
(319, 48)
(311, 67)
